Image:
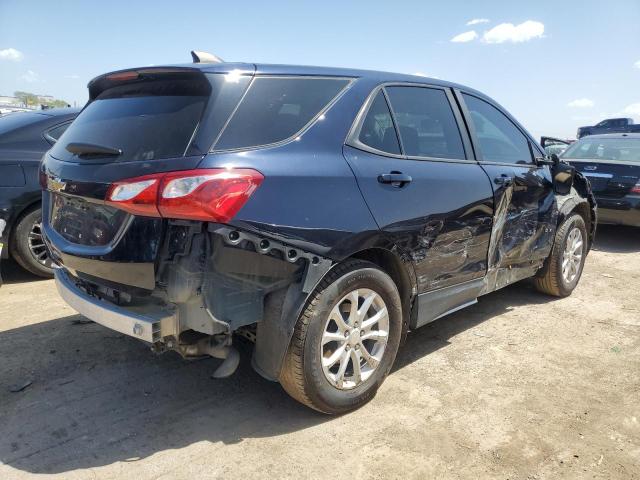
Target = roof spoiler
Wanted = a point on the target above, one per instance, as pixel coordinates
(205, 57)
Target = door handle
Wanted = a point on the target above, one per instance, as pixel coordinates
(395, 178)
(504, 180)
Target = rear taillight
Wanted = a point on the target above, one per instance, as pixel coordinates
(635, 189)
(138, 195)
(212, 195)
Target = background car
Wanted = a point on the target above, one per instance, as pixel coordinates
(610, 125)
(554, 145)
(24, 137)
(612, 165)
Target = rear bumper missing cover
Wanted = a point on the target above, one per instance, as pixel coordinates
(150, 327)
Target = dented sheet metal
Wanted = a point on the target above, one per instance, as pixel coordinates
(524, 225)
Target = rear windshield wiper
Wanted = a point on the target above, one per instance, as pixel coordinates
(91, 149)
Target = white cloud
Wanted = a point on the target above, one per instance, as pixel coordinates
(11, 54)
(508, 32)
(465, 37)
(637, 65)
(476, 21)
(72, 77)
(581, 103)
(30, 76)
(633, 109)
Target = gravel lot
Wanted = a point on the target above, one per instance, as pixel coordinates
(519, 386)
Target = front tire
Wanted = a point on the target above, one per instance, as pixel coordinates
(346, 339)
(563, 269)
(26, 245)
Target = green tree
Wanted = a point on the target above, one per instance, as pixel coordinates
(31, 100)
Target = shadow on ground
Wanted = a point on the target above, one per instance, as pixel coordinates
(99, 397)
(617, 239)
(14, 273)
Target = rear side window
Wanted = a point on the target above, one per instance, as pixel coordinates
(377, 129)
(147, 120)
(426, 122)
(499, 139)
(276, 108)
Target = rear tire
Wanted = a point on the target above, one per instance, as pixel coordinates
(563, 269)
(26, 244)
(330, 329)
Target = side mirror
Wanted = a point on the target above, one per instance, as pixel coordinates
(563, 174)
(551, 160)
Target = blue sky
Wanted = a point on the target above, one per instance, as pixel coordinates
(558, 65)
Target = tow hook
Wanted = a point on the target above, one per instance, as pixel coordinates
(230, 356)
(210, 346)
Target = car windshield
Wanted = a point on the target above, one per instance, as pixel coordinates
(612, 149)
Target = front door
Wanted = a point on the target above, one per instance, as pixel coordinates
(525, 204)
(433, 201)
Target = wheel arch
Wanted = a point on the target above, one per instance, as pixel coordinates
(283, 308)
(17, 216)
(401, 272)
(583, 206)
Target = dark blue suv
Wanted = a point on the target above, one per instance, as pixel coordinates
(321, 213)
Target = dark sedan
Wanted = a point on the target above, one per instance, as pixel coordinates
(612, 164)
(24, 137)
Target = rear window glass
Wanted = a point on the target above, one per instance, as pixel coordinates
(621, 149)
(276, 108)
(146, 120)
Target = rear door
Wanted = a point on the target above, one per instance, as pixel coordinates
(415, 170)
(526, 210)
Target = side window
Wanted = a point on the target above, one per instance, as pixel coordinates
(500, 140)
(426, 123)
(377, 129)
(53, 134)
(276, 108)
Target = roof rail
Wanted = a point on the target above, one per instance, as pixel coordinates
(205, 57)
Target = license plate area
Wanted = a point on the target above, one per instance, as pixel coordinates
(84, 222)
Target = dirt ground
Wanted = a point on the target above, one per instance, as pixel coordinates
(519, 386)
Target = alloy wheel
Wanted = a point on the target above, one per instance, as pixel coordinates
(572, 255)
(36, 245)
(354, 338)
